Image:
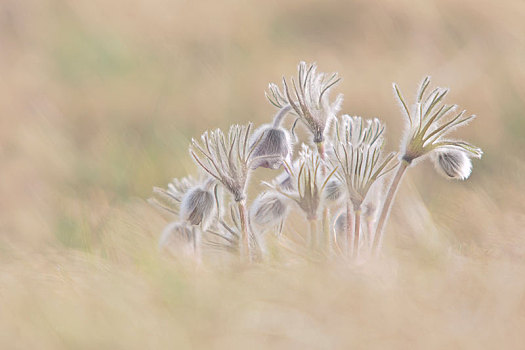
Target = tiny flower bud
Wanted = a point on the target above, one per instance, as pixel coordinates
(333, 190)
(340, 224)
(340, 227)
(452, 164)
(198, 207)
(268, 209)
(284, 181)
(272, 147)
(175, 234)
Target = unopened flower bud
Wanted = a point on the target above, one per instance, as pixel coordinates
(268, 209)
(272, 147)
(340, 227)
(452, 164)
(333, 190)
(175, 233)
(340, 224)
(198, 207)
(284, 181)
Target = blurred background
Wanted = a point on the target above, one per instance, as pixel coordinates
(98, 102)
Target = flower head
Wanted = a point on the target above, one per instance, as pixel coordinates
(170, 199)
(227, 159)
(309, 99)
(358, 156)
(429, 121)
(310, 184)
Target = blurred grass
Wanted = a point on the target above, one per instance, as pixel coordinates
(98, 102)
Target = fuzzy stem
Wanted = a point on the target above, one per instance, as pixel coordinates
(245, 239)
(369, 232)
(349, 229)
(387, 205)
(312, 225)
(196, 234)
(280, 115)
(357, 231)
(326, 210)
(327, 243)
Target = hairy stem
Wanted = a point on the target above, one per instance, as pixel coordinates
(326, 210)
(312, 225)
(196, 240)
(349, 229)
(327, 243)
(387, 204)
(357, 231)
(280, 115)
(245, 236)
(369, 232)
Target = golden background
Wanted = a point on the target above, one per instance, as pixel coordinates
(98, 102)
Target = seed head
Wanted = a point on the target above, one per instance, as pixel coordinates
(452, 164)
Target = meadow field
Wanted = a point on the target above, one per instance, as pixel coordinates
(100, 99)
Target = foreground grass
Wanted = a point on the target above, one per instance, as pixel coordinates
(57, 301)
(128, 296)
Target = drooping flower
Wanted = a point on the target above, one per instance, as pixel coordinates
(198, 207)
(269, 208)
(452, 164)
(176, 234)
(169, 199)
(271, 143)
(429, 121)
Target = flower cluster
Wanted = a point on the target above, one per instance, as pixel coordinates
(339, 181)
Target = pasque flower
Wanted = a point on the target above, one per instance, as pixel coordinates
(307, 191)
(360, 163)
(272, 143)
(309, 99)
(269, 208)
(228, 159)
(429, 121)
(452, 164)
(170, 199)
(198, 206)
(358, 156)
(340, 170)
